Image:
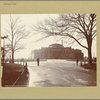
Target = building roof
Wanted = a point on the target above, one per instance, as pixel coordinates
(56, 46)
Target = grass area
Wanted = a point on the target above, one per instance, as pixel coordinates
(88, 66)
(11, 72)
(12, 66)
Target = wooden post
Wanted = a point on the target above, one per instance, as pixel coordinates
(26, 64)
(23, 62)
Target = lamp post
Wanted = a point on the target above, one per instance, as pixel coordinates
(3, 48)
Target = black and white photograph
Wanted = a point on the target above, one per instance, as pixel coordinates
(49, 50)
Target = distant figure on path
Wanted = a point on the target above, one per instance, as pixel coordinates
(77, 61)
(38, 60)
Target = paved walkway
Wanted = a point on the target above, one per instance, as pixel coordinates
(57, 73)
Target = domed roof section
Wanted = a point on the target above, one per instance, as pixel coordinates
(56, 46)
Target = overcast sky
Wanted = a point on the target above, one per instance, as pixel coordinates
(29, 43)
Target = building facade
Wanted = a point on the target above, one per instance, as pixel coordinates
(57, 51)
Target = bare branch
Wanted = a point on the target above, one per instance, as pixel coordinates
(16, 32)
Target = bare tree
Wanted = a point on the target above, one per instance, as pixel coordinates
(16, 32)
(73, 26)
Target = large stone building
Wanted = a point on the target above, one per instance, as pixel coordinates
(57, 51)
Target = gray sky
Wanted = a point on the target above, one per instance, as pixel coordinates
(32, 19)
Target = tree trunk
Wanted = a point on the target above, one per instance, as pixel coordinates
(89, 55)
(12, 56)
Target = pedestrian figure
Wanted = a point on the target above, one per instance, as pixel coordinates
(38, 60)
(81, 63)
(25, 68)
(77, 61)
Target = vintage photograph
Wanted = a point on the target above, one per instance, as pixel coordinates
(48, 50)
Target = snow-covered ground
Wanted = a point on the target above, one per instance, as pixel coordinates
(60, 73)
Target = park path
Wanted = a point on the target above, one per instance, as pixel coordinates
(57, 73)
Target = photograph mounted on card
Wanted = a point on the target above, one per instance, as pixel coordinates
(49, 51)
